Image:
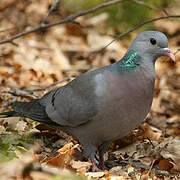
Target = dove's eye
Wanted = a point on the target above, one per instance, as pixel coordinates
(153, 41)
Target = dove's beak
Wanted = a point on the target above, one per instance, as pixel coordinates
(169, 54)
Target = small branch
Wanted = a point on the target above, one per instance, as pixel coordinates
(50, 86)
(14, 44)
(72, 18)
(21, 93)
(151, 166)
(139, 165)
(151, 142)
(79, 24)
(53, 8)
(146, 5)
(30, 93)
(133, 29)
(150, 7)
(66, 20)
(9, 103)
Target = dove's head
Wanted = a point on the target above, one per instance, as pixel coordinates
(152, 44)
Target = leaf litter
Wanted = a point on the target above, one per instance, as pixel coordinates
(152, 151)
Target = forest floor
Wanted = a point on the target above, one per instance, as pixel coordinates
(29, 150)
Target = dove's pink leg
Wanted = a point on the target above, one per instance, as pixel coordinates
(101, 161)
(94, 166)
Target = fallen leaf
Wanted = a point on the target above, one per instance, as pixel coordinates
(171, 149)
(21, 125)
(64, 156)
(145, 177)
(95, 174)
(164, 26)
(81, 166)
(153, 135)
(40, 175)
(165, 165)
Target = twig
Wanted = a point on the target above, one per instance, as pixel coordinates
(151, 166)
(30, 93)
(79, 24)
(133, 29)
(69, 19)
(50, 86)
(150, 7)
(8, 103)
(146, 5)
(140, 165)
(72, 18)
(19, 92)
(53, 8)
(151, 142)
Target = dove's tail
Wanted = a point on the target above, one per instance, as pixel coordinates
(33, 110)
(9, 114)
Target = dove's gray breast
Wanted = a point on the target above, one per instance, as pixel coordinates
(123, 101)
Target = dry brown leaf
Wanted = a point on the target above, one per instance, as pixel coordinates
(75, 30)
(145, 176)
(14, 168)
(150, 133)
(118, 170)
(147, 152)
(109, 176)
(40, 175)
(21, 125)
(64, 156)
(42, 58)
(12, 122)
(165, 165)
(5, 71)
(165, 24)
(171, 149)
(146, 160)
(95, 174)
(96, 41)
(2, 129)
(161, 67)
(96, 20)
(156, 105)
(80, 166)
(58, 57)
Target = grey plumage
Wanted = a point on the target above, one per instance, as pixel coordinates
(105, 104)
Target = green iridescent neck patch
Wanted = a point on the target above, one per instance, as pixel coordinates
(131, 61)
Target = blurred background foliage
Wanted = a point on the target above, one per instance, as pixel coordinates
(13, 143)
(123, 15)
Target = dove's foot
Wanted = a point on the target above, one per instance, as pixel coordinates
(101, 162)
(94, 166)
